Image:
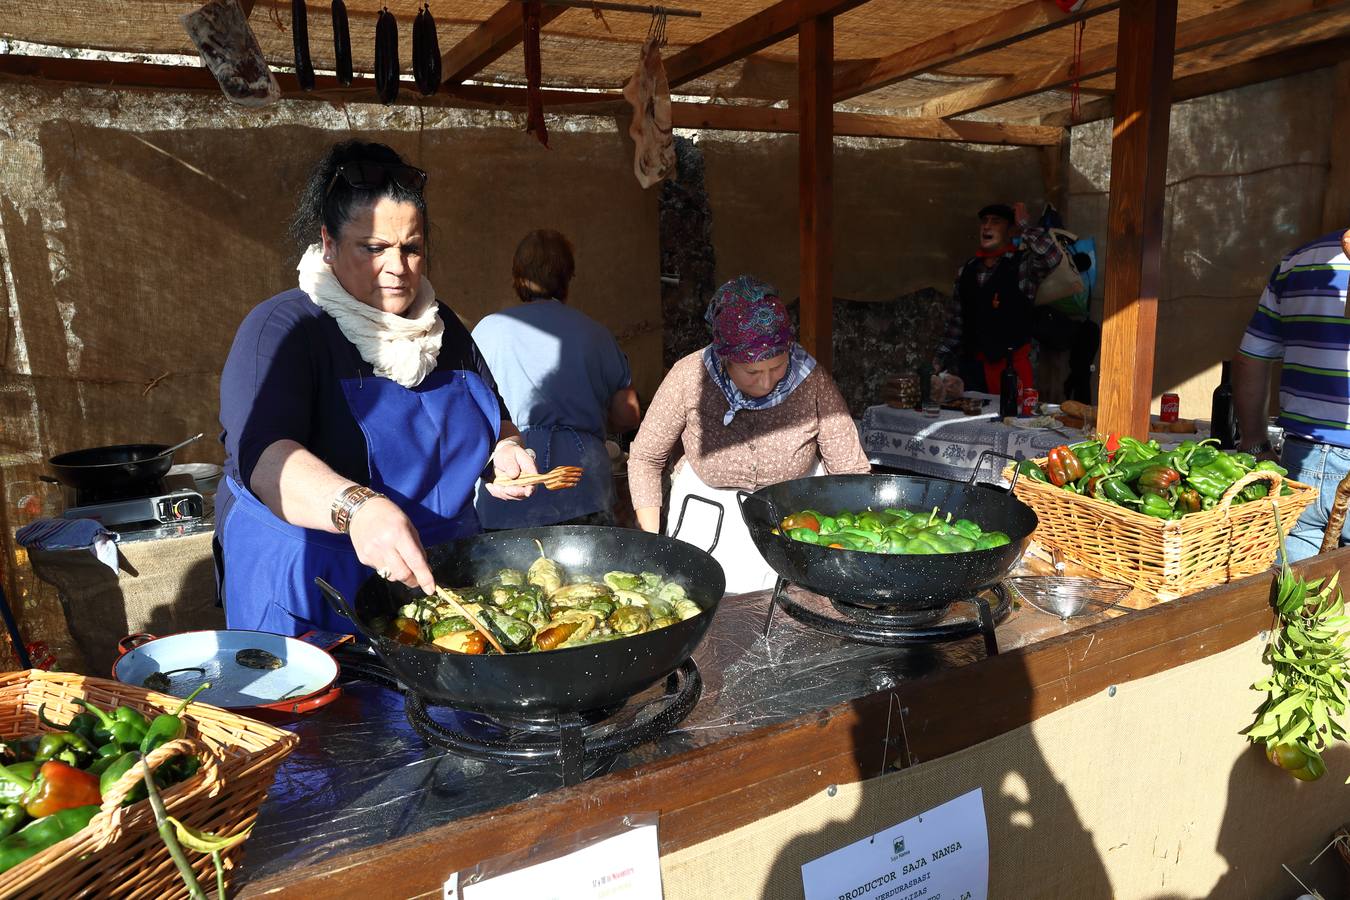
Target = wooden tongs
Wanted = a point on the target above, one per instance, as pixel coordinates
(556, 479)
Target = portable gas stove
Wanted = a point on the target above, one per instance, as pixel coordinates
(580, 746)
(884, 626)
(173, 499)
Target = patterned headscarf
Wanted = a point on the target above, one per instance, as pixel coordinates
(749, 322)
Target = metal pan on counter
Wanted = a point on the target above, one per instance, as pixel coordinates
(580, 679)
(921, 585)
(279, 674)
(121, 467)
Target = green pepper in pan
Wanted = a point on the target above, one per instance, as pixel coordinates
(967, 528)
(992, 539)
(805, 535)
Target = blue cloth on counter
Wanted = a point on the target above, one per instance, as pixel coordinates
(70, 534)
(557, 370)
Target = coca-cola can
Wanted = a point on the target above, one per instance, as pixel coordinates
(1171, 408)
(1027, 398)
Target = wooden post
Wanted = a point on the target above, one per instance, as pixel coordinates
(1336, 201)
(1135, 215)
(815, 168)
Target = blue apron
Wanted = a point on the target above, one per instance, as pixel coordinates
(427, 446)
(555, 445)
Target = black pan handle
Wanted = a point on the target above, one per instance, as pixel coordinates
(684, 507)
(979, 463)
(336, 600)
(774, 518)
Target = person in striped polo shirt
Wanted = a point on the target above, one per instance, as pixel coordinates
(1302, 320)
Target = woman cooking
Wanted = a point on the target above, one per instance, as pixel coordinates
(751, 409)
(357, 412)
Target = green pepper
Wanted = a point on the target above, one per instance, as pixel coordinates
(170, 726)
(1156, 505)
(83, 724)
(1189, 501)
(805, 535)
(1267, 465)
(11, 817)
(37, 836)
(1117, 491)
(1028, 469)
(991, 539)
(843, 520)
(1133, 449)
(1130, 471)
(126, 731)
(827, 524)
(67, 746)
(11, 791)
(1254, 491)
(1227, 465)
(1158, 479)
(967, 528)
(120, 766)
(1203, 456)
(1212, 480)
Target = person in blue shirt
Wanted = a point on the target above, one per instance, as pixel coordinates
(566, 384)
(357, 413)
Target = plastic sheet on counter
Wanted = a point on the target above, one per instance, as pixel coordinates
(361, 776)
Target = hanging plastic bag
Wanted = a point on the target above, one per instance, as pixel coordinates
(230, 50)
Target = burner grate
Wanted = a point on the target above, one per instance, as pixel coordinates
(878, 626)
(579, 745)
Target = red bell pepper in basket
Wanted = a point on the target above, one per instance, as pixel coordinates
(1158, 479)
(1063, 466)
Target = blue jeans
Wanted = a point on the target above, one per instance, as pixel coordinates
(1322, 466)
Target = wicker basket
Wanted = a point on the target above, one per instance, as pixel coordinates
(119, 854)
(1167, 558)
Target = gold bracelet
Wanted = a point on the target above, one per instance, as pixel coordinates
(348, 502)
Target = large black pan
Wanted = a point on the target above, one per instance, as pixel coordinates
(922, 585)
(115, 468)
(571, 680)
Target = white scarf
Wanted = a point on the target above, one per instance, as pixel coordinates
(400, 348)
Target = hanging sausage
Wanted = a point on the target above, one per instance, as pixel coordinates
(386, 57)
(426, 53)
(534, 73)
(304, 70)
(342, 43)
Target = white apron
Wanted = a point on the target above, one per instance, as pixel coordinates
(741, 562)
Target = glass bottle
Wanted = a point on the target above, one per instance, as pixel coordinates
(1223, 416)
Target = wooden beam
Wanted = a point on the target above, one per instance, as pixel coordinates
(1023, 21)
(815, 182)
(765, 28)
(1135, 215)
(1233, 21)
(846, 124)
(136, 76)
(1336, 200)
(1281, 64)
(484, 45)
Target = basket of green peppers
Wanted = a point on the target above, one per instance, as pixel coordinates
(53, 785)
(1166, 521)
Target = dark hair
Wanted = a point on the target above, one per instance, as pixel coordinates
(543, 265)
(320, 206)
(1002, 210)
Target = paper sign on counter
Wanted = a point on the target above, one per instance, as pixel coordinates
(626, 866)
(942, 854)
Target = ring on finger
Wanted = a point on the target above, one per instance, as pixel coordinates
(384, 574)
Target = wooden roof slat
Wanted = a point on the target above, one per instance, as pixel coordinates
(989, 33)
(1233, 21)
(763, 29)
(1224, 77)
(487, 43)
(846, 124)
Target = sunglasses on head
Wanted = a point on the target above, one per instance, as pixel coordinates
(369, 176)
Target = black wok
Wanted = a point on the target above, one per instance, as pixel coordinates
(572, 680)
(919, 587)
(122, 467)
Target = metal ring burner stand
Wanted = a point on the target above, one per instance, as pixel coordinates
(872, 625)
(569, 742)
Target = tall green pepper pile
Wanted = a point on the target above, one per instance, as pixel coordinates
(890, 531)
(1143, 477)
(51, 785)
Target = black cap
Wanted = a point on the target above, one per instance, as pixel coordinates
(1002, 210)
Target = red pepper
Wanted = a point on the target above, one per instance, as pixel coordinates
(1158, 479)
(57, 787)
(1063, 466)
(1189, 500)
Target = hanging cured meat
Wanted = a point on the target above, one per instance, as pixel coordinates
(426, 53)
(534, 75)
(648, 92)
(386, 56)
(304, 70)
(230, 51)
(342, 43)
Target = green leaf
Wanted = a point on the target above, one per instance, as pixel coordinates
(1261, 729)
(1287, 706)
(1298, 725)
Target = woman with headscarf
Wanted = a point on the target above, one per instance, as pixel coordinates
(357, 413)
(751, 409)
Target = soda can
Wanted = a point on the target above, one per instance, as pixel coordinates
(1171, 407)
(1027, 399)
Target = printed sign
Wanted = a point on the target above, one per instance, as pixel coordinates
(623, 867)
(942, 854)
